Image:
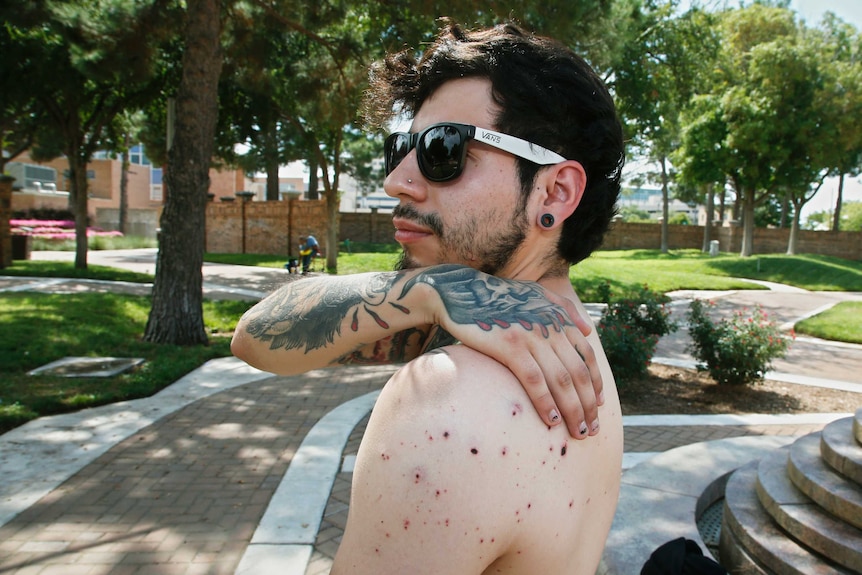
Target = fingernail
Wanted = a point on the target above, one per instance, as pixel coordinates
(554, 415)
(601, 398)
(594, 426)
(583, 428)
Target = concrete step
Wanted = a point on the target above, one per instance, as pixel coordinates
(746, 524)
(801, 518)
(840, 450)
(826, 487)
(857, 425)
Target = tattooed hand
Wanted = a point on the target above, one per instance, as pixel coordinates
(549, 354)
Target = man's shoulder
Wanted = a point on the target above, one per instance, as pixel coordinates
(455, 375)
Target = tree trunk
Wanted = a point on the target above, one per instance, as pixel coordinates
(312, 178)
(271, 155)
(836, 216)
(272, 183)
(794, 230)
(78, 201)
(123, 222)
(710, 208)
(176, 316)
(747, 222)
(665, 212)
(785, 209)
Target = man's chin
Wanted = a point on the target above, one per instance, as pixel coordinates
(405, 262)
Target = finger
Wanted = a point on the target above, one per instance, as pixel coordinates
(583, 324)
(532, 378)
(581, 380)
(587, 356)
(574, 402)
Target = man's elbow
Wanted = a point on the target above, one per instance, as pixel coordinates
(242, 347)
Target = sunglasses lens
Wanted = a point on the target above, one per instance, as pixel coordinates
(395, 149)
(440, 152)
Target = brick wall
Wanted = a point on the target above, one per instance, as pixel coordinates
(847, 245)
(270, 227)
(364, 227)
(275, 227)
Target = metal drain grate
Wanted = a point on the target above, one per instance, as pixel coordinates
(709, 525)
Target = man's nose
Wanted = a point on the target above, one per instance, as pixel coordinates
(406, 180)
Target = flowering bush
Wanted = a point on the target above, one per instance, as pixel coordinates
(630, 329)
(52, 229)
(735, 351)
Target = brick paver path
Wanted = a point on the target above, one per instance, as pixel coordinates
(184, 495)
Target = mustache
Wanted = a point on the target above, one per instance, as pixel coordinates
(409, 212)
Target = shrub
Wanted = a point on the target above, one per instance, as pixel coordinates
(630, 329)
(735, 351)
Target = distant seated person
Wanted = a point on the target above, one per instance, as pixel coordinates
(307, 250)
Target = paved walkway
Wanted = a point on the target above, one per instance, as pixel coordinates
(231, 470)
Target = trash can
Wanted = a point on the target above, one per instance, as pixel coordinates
(713, 248)
(21, 247)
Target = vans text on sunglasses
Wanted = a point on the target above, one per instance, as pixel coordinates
(442, 148)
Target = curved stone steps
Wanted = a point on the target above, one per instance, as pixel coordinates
(746, 521)
(801, 518)
(857, 425)
(830, 490)
(840, 450)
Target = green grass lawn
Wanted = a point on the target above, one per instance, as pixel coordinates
(36, 329)
(842, 322)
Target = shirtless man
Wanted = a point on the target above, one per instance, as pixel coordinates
(454, 474)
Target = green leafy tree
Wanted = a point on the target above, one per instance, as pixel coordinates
(838, 46)
(87, 63)
(658, 73)
(19, 107)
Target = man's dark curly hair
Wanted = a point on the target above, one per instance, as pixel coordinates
(546, 93)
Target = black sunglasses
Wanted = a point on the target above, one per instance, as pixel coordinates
(441, 149)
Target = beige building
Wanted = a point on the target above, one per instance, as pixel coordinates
(45, 185)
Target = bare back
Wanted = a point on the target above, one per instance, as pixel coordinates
(457, 474)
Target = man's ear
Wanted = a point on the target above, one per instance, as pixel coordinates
(564, 185)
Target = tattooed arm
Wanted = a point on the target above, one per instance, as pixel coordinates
(387, 317)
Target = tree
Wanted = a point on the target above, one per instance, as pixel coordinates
(657, 75)
(18, 104)
(176, 315)
(839, 49)
(87, 63)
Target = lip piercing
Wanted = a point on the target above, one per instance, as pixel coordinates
(547, 220)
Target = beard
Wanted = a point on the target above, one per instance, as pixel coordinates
(479, 242)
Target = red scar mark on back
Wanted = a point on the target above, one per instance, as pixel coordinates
(504, 451)
(406, 524)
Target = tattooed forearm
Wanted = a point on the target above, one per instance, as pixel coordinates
(321, 308)
(471, 297)
(393, 349)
